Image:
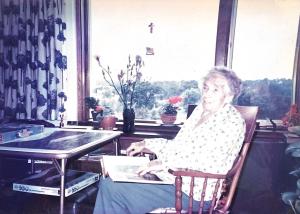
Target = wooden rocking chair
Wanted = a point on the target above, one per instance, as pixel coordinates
(230, 180)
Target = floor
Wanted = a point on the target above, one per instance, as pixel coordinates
(25, 203)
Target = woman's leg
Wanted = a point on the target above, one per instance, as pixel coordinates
(134, 198)
(119, 197)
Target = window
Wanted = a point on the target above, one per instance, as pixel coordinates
(176, 40)
(264, 51)
(180, 37)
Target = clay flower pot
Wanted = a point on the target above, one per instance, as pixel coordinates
(108, 122)
(168, 119)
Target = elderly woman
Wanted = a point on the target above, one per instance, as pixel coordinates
(209, 141)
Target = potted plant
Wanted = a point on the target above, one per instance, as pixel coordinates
(107, 119)
(103, 116)
(292, 199)
(93, 104)
(292, 117)
(169, 111)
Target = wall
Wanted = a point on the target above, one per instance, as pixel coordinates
(71, 72)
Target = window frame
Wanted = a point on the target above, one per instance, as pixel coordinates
(296, 74)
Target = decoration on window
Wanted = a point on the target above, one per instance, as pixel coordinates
(149, 51)
(151, 26)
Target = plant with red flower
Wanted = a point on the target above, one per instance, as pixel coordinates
(292, 117)
(92, 103)
(99, 108)
(171, 107)
(98, 111)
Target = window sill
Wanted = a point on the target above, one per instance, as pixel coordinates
(153, 129)
(143, 129)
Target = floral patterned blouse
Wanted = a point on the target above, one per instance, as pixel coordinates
(210, 147)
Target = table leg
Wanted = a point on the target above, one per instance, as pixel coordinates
(62, 171)
(62, 185)
(32, 166)
(116, 141)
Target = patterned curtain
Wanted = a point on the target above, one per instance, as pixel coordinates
(31, 59)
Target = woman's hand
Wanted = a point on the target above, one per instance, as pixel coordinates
(136, 148)
(152, 166)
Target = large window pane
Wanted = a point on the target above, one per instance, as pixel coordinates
(182, 38)
(264, 49)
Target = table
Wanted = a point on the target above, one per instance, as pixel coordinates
(59, 145)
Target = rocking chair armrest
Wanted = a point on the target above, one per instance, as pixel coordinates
(195, 173)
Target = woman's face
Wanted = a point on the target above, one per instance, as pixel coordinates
(214, 93)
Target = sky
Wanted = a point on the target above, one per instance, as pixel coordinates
(183, 37)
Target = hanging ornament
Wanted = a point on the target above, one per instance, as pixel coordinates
(151, 26)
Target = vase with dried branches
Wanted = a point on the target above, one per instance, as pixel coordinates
(125, 86)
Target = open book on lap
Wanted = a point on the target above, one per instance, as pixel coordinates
(125, 169)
